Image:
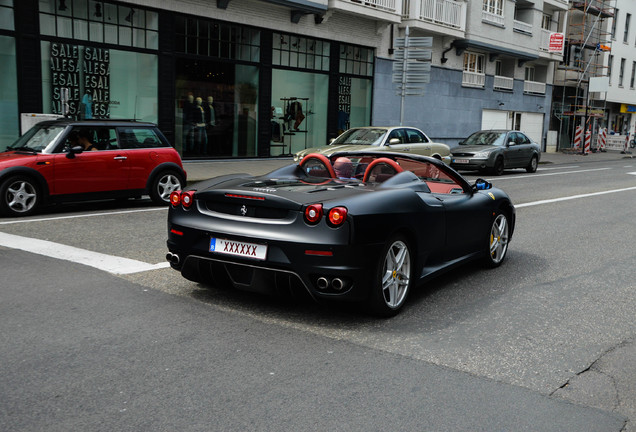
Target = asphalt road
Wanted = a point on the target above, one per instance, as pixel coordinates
(546, 342)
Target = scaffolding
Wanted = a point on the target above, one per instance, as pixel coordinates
(588, 40)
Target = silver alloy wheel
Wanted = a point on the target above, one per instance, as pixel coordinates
(396, 274)
(499, 239)
(167, 184)
(21, 196)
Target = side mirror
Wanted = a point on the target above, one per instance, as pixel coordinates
(73, 151)
(461, 142)
(481, 184)
(394, 141)
(511, 143)
(331, 141)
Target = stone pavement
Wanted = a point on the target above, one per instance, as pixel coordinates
(201, 170)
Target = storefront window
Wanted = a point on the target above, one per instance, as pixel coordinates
(216, 39)
(99, 21)
(100, 82)
(299, 111)
(354, 102)
(355, 60)
(8, 93)
(300, 52)
(6, 15)
(354, 91)
(217, 100)
(216, 110)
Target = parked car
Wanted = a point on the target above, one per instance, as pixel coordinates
(394, 139)
(66, 160)
(495, 151)
(398, 221)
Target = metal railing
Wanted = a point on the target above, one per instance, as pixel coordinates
(503, 83)
(473, 79)
(493, 18)
(533, 87)
(522, 27)
(387, 5)
(445, 12)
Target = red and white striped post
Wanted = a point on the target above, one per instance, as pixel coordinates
(578, 135)
(588, 142)
(602, 139)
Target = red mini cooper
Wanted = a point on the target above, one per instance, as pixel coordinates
(66, 160)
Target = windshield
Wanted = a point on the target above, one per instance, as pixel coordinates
(486, 138)
(37, 138)
(372, 137)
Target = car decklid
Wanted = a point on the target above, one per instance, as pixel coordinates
(275, 197)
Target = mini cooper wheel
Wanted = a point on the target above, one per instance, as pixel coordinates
(498, 239)
(20, 196)
(532, 166)
(392, 279)
(163, 185)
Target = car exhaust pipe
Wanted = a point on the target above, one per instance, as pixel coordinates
(322, 283)
(337, 284)
(173, 258)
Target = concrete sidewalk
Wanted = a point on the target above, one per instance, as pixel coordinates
(202, 170)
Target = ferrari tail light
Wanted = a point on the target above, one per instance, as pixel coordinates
(175, 198)
(313, 213)
(337, 216)
(186, 199)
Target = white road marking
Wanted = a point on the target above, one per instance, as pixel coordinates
(81, 216)
(550, 201)
(632, 173)
(108, 263)
(535, 175)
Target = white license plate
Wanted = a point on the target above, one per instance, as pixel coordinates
(237, 248)
(461, 161)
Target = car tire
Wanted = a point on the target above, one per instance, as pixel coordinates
(498, 168)
(163, 185)
(20, 196)
(393, 278)
(498, 238)
(532, 166)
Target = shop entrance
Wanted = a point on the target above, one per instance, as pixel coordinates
(216, 109)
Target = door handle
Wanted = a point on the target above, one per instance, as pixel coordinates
(120, 158)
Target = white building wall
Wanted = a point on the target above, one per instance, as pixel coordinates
(336, 26)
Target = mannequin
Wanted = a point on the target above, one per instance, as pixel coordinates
(210, 115)
(188, 123)
(201, 136)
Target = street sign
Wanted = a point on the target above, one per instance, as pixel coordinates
(556, 42)
(412, 67)
(414, 54)
(414, 42)
(412, 78)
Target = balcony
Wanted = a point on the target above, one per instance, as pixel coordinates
(533, 87)
(380, 10)
(473, 79)
(522, 27)
(443, 17)
(559, 4)
(503, 83)
(491, 18)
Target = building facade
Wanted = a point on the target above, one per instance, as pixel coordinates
(260, 78)
(222, 79)
(620, 98)
(491, 67)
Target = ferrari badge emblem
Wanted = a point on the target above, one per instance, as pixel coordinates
(243, 210)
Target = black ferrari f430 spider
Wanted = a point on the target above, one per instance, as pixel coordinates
(355, 226)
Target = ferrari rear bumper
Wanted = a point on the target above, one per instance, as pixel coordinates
(342, 273)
